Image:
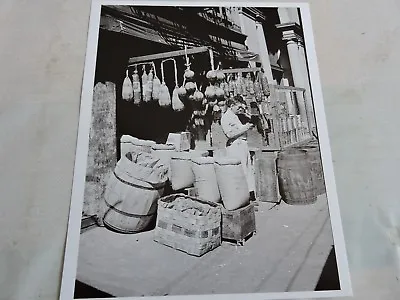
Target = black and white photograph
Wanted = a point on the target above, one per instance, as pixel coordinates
(203, 164)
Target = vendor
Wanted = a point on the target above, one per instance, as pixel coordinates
(236, 133)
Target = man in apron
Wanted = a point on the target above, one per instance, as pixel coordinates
(236, 133)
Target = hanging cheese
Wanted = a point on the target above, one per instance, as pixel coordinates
(127, 88)
(231, 85)
(258, 89)
(144, 82)
(190, 87)
(219, 93)
(244, 86)
(264, 85)
(225, 87)
(177, 104)
(250, 84)
(189, 74)
(211, 76)
(182, 93)
(137, 96)
(239, 85)
(210, 92)
(220, 76)
(149, 87)
(198, 96)
(165, 98)
(156, 86)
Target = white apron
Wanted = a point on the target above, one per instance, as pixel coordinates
(238, 148)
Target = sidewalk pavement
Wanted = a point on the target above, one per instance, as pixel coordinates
(288, 253)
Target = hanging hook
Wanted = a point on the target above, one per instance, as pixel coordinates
(187, 57)
(121, 25)
(211, 58)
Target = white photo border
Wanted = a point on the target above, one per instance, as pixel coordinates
(74, 222)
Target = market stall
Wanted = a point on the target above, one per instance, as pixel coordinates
(169, 185)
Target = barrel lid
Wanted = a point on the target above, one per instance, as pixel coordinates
(227, 161)
(203, 160)
(162, 147)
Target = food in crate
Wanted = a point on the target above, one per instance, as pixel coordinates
(188, 224)
(182, 205)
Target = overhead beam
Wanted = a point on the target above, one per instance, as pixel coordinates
(165, 55)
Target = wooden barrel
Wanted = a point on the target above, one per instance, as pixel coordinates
(314, 157)
(295, 177)
(132, 203)
(266, 177)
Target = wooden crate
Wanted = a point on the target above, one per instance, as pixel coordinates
(239, 224)
(266, 177)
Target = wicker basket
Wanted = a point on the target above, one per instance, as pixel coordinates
(195, 235)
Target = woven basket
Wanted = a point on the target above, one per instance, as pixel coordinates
(195, 235)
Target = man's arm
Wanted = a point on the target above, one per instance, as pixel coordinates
(233, 130)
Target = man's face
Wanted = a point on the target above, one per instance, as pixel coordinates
(240, 108)
(235, 108)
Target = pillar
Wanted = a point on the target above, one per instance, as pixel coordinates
(245, 31)
(297, 73)
(263, 50)
(309, 97)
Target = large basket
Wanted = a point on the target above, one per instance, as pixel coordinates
(195, 235)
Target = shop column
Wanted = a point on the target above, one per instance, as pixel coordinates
(291, 35)
(263, 49)
(302, 54)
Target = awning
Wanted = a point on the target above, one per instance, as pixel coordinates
(157, 27)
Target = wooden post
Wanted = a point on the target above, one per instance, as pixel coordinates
(102, 155)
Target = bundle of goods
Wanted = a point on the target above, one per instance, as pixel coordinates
(296, 180)
(232, 183)
(132, 192)
(127, 88)
(205, 179)
(137, 90)
(164, 153)
(181, 169)
(188, 224)
(239, 224)
(164, 98)
(129, 143)
(217, 90)
(247, 86)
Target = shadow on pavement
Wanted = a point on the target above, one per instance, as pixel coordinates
(328, 281)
